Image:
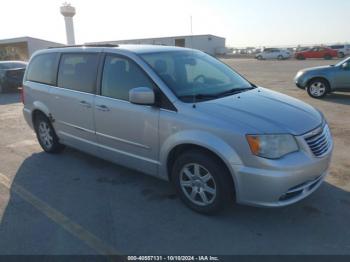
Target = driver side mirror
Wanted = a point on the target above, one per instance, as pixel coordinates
(142, 96)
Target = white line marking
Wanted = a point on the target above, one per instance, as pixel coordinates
(73, 228)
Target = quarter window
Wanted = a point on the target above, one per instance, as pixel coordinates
(78, 72)
(43, 69)
(120, 75)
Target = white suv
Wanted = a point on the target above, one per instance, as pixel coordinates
(273, 53)
(343, 50)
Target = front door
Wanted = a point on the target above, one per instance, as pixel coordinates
(342, 77)
(127, 133)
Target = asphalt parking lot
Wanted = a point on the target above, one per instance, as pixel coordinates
(73, 203)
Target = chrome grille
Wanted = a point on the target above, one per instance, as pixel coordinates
(319, 141)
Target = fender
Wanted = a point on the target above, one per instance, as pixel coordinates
(37, 105)
(200, 138)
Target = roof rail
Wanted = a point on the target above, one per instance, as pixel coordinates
(86, 45)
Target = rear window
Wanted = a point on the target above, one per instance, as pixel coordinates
(43, 68)
(78, 72)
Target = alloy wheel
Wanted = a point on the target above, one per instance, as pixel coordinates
(198, 184)
(317, 89)
(45, 134)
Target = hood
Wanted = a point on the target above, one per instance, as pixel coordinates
(317, 68)
(264, 111)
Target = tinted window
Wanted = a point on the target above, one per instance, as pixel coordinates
(120, 75)
(43, 69)
(78, 72)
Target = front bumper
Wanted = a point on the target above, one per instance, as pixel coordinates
(282, 182)
(299, 85)
(300, 82)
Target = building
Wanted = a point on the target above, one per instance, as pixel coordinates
(21, 48)
(210, 44)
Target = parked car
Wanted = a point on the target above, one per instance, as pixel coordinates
(319, 81)
(11, 74)
(179, 115)
(317, 52)
(343, 50)
(273, 53)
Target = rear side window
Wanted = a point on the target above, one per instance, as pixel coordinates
(120, 75)
(78, 72)
(43, 69)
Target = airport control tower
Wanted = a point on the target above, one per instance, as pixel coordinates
(68, 12)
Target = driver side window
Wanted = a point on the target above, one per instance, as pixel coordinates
(120, 75)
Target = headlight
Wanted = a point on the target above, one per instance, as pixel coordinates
(272, 146)
(299, 74)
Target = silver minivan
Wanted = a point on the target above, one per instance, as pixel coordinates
(179, 115)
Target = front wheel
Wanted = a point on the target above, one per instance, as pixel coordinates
(318, 88)
(280, 57)
(341, 55)
(46, 135)
(202, 183)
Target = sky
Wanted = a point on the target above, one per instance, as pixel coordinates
(242, 22)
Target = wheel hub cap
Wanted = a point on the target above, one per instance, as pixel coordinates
(198, 184)
(45, 136)
(317, 89)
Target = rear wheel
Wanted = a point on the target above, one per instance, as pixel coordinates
(202, 183)
(318, 88)
(46, 135)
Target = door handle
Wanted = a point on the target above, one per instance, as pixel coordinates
(85, 104)
(103, 108)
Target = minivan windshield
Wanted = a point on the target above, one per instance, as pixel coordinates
(196, 75)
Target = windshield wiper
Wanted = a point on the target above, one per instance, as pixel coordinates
(216, 95)
(234, 91)
(199, 96)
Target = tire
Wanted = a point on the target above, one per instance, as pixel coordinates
(46, 135)
(259, 57)
(300, 57)
(320, 84)
(211, 182)
(280, 57)
(341, 55)
(328, 57)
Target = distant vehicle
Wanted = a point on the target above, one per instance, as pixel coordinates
(180, 115)
(317, 52)
(11, 74)
(319, 81)
(273, 53)
(343, 50)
